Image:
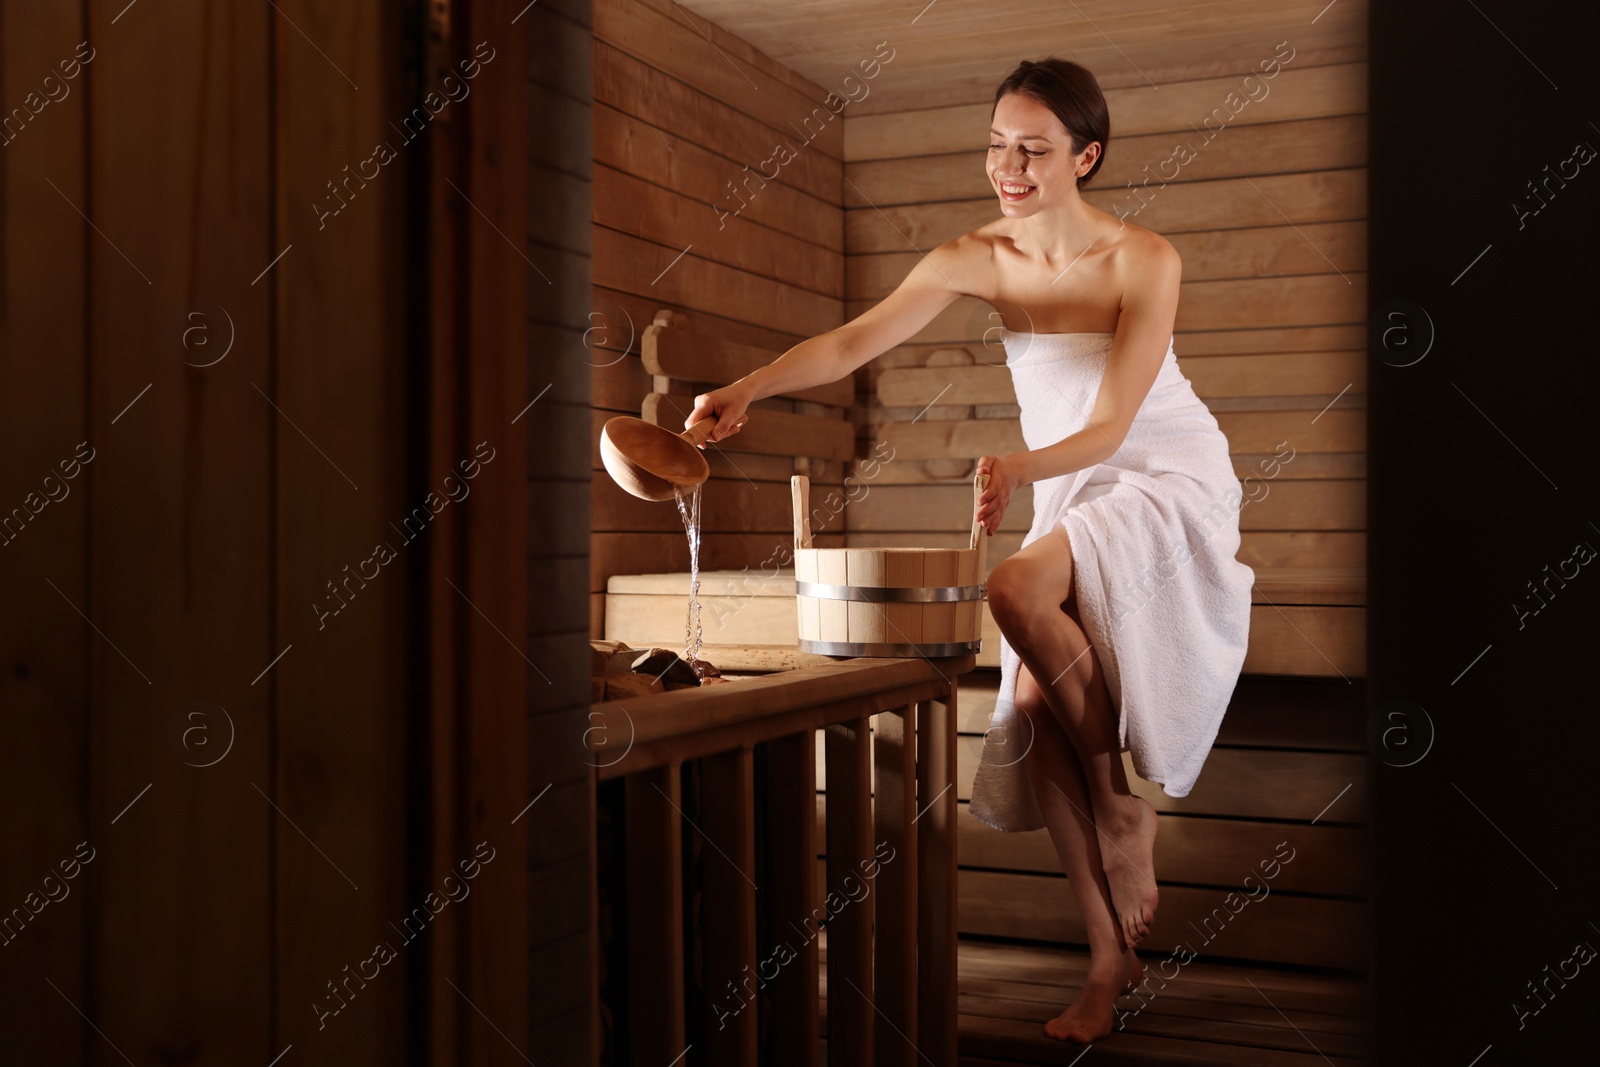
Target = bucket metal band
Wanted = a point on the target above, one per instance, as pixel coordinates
(891, 649)
(889, 594)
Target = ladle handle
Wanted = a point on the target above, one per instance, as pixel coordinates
(698, 433)
(979, 483)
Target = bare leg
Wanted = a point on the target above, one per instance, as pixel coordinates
(1031, 595)
(1059, 787)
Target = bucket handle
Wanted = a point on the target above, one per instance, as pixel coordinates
(980, 481)
(800, 488)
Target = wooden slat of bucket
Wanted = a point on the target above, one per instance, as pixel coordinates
(894, 754)
(968, 613)
(903, 622)
(865, 621)
(728, 824)
(941, 566)
(848, 751)
(655, 918)
(936, 878)
(833, 616)
(880, 567)
(791, 897)
(809, 612)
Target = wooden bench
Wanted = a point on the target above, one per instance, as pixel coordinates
(728, 768)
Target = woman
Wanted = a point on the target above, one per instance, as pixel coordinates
(1124, 615)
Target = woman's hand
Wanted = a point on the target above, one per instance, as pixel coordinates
(726, 404)
(1005, 475)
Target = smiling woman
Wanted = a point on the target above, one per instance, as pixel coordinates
(1128, 467)
(1073, 96)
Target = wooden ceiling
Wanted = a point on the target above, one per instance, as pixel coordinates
(957, 51)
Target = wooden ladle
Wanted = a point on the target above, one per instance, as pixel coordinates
(649, 461)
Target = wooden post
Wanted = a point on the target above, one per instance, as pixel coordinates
(731, 982)
(848, 751)
(936, 876)
(655, 918)
(791, 897)
(894, 750)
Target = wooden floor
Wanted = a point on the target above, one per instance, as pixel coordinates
(1210, 1013)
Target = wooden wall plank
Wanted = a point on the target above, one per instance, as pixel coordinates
(1258, 548)
(676, 352)
(643, 552)
(1196, 851)
(48, 682)
(1300, 93)
(1270, 148)
(1252, 783)
(1324, 933)
(772, 433)
(677, 163)
(682, 49)
(1284, 374)
(1252, 432)
(496, 979)
(1323, 299)
(1234, 203)
(186, 217)
(739, 49)
(727, 505)
(620, 316)
(634, 265)
(335, 291)
(1253, 252)
(663, 101)
(640, 209)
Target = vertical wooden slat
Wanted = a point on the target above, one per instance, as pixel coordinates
(790, 898)
(564, 977)
(182, 544)
(340, 343)
(848, 754)
(936, 878)
(44, 677)
(894, 752)
(477, 386)
(655, 918)
(731, 982)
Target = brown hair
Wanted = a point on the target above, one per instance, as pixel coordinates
(1071, 92)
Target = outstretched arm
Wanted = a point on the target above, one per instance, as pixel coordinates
(931, 287)
(1144, 329)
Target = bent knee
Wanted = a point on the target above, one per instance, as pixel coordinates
(1017, 589)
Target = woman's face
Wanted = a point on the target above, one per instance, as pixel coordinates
(1031, 163)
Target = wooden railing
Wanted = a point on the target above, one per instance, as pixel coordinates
(888, 905)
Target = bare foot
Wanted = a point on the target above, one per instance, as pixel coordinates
(1088, 1018)
(1127, 854)
(1132, 970)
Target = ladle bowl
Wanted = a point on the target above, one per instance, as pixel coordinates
(650, 461)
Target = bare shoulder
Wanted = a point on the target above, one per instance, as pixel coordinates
(1144, 254)
(967, 262)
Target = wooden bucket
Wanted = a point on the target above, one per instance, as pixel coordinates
(895, 603)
